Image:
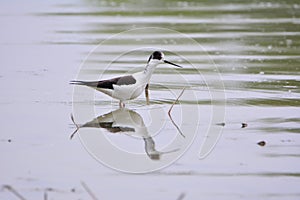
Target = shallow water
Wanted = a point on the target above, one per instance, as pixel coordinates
(247, 63)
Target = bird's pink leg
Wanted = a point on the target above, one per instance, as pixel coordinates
(121, 104)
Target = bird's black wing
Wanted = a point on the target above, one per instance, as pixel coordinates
(107, 84)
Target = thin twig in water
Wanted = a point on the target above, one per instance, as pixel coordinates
(169, 112)
(77, 127)
(181, 196)
(88, 190)
(45, 195)
(170, 116)
(46, 190)
(12, 190)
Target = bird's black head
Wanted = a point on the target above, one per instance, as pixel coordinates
(156, 55)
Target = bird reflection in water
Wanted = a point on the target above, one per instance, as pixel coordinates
(127, 122)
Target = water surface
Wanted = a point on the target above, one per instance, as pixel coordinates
(253, 45)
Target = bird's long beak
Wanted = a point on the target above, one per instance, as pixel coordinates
(168, 62)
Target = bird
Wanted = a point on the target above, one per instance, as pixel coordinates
(128, 87)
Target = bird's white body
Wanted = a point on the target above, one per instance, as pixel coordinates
(132, 91)
(128, 92)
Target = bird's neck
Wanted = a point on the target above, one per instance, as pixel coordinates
(149, 69)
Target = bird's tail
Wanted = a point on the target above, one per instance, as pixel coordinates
(86, 83)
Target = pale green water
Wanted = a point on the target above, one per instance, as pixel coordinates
(253, 44)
